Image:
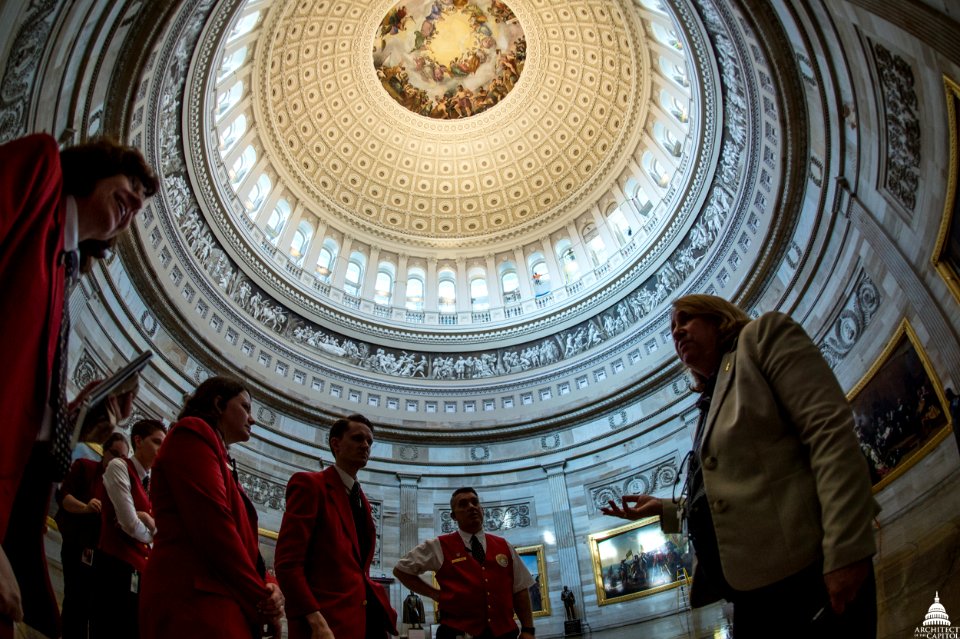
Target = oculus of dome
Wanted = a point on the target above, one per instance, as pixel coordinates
(449, 59)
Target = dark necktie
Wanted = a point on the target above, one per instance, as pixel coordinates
(476, 549)
(146, 483)
(61, 440)
(359, 517)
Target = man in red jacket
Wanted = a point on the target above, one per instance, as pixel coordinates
(326, 544)
(53, 206)
(483, 582)
(126, 532)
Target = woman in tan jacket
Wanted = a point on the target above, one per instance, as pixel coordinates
(777, 498)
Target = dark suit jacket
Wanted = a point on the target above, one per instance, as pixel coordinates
(318, 560)
(201, 579)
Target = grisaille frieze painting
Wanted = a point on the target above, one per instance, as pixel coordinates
(449, 59)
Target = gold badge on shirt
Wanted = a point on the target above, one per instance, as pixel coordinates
(502, 560)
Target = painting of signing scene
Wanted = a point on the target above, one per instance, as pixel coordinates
(449, 59)
(637, 560)
(899, 408)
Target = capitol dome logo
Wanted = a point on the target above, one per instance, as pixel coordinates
(936, 623)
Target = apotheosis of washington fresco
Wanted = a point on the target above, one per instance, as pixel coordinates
(449, 59)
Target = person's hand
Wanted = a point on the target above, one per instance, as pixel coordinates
(318, 626)
(82, 395)
(271, 607)
(271, 611)
(11, 606)
(125, 404)
(843, 584)
(634, 507)
(147, 520)
(93, 506)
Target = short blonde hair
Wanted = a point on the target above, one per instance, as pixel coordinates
(728, 317)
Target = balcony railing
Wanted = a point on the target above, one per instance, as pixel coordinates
(513, 302)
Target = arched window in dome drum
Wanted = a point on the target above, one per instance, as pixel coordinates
(568, 261)
(595, 246)
(277, 220)
(258, 194)
(244, 25)
(479, 295)
(231, 63)
(415, 289)
(328, 253)
(510, 284)
(383, 286)
(654, 5)
(354, 275)
(667, 139)
(227, 99)
(657, 172)
(237, 128)
(675, 71)
(242, 166)
(447, 291)
(676, 107)
(300, 242)
(539, 274)
(621, 228)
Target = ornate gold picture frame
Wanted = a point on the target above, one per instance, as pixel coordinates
(637, 560)
(532, 557)
(900, 410)
(946, 252)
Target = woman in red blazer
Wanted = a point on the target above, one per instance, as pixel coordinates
(205, 577)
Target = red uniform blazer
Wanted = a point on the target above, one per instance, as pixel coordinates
(318, 560)
(83, 482)
(201, 580)
(31, 296)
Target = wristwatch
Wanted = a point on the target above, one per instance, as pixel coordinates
(528, 629)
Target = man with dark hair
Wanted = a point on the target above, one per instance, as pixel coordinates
(326, 544)
(79, 522)
(126, 532)
(57, 211)
(483, 582)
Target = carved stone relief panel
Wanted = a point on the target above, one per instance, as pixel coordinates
(86, 370)
(497, 517)
(858, 309)
(901, 124)
(263, 492)
(651, 478)
(23, 64)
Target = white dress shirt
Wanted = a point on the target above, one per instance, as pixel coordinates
(116, 481)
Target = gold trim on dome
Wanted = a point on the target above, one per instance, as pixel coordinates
(350, 152)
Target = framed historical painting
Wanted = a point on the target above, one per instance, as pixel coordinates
(946, 252)
(532, 557)
(899, 408)
(637, 560)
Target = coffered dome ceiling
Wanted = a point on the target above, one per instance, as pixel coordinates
(344, 145)
(637, 153)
